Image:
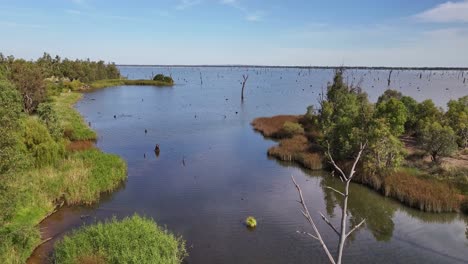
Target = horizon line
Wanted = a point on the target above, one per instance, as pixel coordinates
(296, 66)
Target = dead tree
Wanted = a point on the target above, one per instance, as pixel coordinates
(390, 78)
(342, 232)
(245, 77)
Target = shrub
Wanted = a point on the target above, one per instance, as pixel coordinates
(158, 77)
(10, 113)
(40, 144)
(132, 240)
(290, 129)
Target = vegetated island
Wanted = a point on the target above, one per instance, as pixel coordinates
(48, 158)
(416, 152)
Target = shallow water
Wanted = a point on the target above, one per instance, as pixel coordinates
(213, 171)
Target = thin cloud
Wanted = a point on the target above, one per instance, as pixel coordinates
(184, 4)
(449, 12)
(249, 16)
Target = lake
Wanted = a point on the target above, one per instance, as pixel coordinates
(213, 170)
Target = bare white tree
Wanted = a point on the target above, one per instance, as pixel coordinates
(342, 232)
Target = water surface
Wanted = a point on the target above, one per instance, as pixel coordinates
(213, 171)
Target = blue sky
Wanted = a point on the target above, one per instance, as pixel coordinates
(261, 32)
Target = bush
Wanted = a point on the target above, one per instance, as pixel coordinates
(132, 240)
(40, 144)
(163, 78)
(290, 129)
(10, 113)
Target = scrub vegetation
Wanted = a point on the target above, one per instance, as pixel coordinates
(132, 240)
(47, 160)
(415, 153)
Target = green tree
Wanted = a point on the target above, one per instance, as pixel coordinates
(411, 109)
(10, 113)
(344, 117)
(389, 94)
(395, 112)
(457, 116)
(427, 113)
(438, 140)
(385, 151)
(29, 80)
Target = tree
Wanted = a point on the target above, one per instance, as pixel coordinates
(343, 232)
(411, 109)
(427, 113)
(395, 112)
(344, 117)
(10, 113)
(29, 81)
(388, 94)
(245, 78)
(385, 151)
(438, 140)
(457, 116)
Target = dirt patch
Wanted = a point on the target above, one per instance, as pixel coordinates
(80, 145)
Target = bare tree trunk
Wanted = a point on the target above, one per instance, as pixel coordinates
(245, 77)
(343, 234)
(390, 77)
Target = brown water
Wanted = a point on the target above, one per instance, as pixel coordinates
(227, 175)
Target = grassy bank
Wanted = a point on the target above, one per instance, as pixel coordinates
(132, 240)
(117, 82)
(294, 145)
(424, 188)
(72, 123)
(30, 194)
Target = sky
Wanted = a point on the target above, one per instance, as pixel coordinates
(249, 32)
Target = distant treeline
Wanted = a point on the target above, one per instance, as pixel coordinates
(35, 80)
(83, 70)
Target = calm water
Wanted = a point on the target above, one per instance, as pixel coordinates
(213, 170)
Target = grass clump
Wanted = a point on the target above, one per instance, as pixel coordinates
(298, 149)
(425, 194)
(71, 121)
(118, 82)
(272, 126)
(132, 240)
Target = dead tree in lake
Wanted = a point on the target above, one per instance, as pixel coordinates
(390, 78)
(245, 77)
(342, 232)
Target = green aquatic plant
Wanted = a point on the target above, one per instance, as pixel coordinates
(251, 222)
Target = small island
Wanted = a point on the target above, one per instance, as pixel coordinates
(416, 152)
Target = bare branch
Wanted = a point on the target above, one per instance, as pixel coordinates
(355, 228)
(332, 161)
(330, 224)
(306, 214)
(335, 190)
(361, 149)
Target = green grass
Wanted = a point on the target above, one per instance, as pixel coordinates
(71, 121)
(132, 240)
(28, 195)
(79, 179)
(117, 82)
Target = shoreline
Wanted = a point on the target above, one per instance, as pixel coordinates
(300, 149)
(83, 147)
